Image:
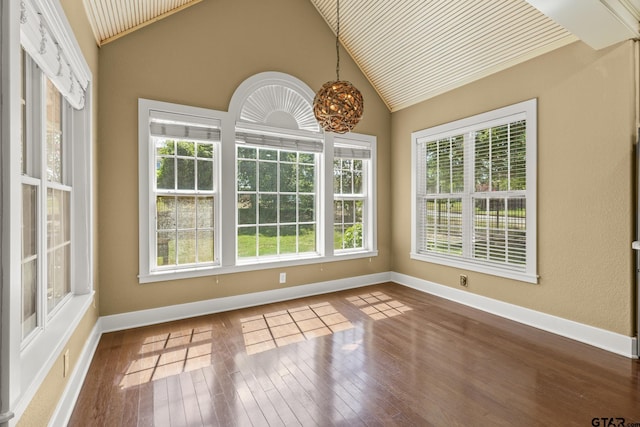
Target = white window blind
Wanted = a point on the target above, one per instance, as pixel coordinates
(351, 151)
(441, 178)
(184, 131)
(474, 192)
(280, 141)
(183, 126)
(53, 51)
(499, 194)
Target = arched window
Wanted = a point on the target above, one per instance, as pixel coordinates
(279, 190)
(279, 150)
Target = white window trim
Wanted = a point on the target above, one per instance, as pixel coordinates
(25, 367)
(487, 119)
(369, 191)
(59, 56)
(146, 178)
(226, 210)
(39, 351)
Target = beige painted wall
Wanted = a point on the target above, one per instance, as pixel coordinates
(46, 399)
(585, 196)
(199, 57)
(41, 408)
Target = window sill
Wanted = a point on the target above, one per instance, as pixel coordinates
(39, 355)
(465, 264)
(253, 265)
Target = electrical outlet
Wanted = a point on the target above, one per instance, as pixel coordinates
(463, 280)
(65, 361)
(283, 278)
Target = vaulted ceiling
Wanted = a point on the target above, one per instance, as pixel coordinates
(112, 19)
(412, 50)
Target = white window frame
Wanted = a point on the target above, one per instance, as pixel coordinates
(36, 176)
(147, 111)
(67, 116)
(279, 256)
(526, 110)
(363, 143)
(26, 363)
(226, 210)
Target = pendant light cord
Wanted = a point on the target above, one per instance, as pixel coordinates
(338, 40)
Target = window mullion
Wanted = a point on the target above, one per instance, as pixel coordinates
(195, 203)
(368, 206)
(506, 229)
(326, 193)
(39, 143)
(490, 188)
(320, 217)
(508, 157)
(437, 189)
(175, 166)
(451, 190)
(195, 166)
(257, 207)
(278, 219)
(467, 200)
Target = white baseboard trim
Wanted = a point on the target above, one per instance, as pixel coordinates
(606, 340)
(67, 402)
(136, 319)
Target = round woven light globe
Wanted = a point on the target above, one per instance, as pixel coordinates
(338, 106)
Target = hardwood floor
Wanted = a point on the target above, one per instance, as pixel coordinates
(382, 355)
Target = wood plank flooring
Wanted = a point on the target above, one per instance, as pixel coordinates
(382, 355)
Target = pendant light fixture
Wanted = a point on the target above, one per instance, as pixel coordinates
(338, 105)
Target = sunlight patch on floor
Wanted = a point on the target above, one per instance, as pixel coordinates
(169, 354)
(378, 305)
(280, 328)
(164, 355)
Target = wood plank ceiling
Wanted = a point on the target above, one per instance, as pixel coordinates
(112, 19)
(414, 50)
(410, 50)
